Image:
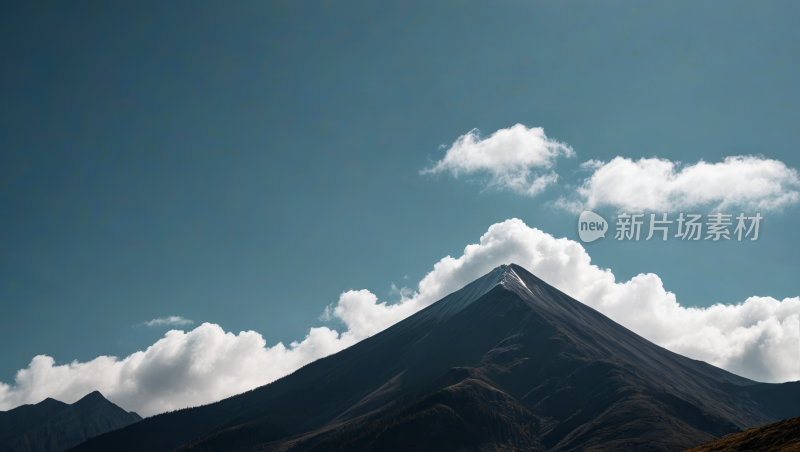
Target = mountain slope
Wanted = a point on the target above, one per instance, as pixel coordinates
(508, 362)
(69, 425)
(17, 422)
(781, 436)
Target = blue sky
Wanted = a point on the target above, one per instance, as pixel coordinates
(244, 164)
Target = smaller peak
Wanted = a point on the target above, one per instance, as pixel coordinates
(48, 402)
(91, 397)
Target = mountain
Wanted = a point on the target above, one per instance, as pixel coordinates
(506, 363)
(53, 426)
(781, 436)
(17, 422)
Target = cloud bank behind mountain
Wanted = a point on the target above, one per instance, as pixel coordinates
(758, 338)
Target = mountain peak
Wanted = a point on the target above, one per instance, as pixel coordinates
(92, 397)
(50, 401)
(510, 277)
(503, 275)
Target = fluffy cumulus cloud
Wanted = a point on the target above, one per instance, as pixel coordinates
(752, 183)
(517, 158)
(757, 338)
(180, 370)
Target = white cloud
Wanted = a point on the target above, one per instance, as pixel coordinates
(509, 158)
(180, 370)
(592, 164)
(753, 183)
(172, 320)
(758, 338)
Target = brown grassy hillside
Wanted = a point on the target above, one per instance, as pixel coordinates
(783, 436)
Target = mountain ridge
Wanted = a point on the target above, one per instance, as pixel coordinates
(63, 425)
(19, 420)
(508, 349)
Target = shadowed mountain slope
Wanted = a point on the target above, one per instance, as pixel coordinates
(53, 426)
(17, 422)
(506, 363)
(783, 436)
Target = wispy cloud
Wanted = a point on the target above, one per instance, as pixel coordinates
(172, 320)
(515, 159)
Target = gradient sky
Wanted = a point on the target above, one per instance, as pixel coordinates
(243, 163)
